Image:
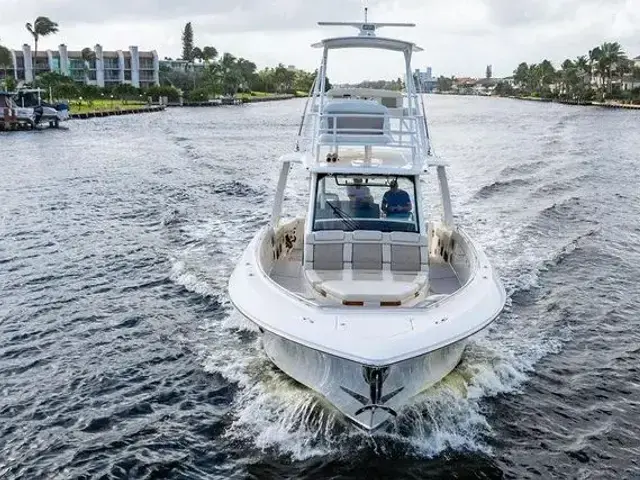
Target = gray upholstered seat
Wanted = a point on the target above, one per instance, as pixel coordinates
(408, 252)
(366, 250)
(356, 121)
(324, 250)
(366, 265)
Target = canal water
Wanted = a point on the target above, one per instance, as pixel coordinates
(121, 356)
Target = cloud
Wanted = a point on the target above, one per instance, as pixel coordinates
(506, 13)
(224, 15)
(537, 13)
(459, 38)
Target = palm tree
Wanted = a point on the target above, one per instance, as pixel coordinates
(42, 27)
(247, 71)
(228, 61)
(582, 64)
(5, 60)
(521, 75)
(230, 73)
(266, 79)
(547, 73)
(594, 57)
(566, 76)
(611, 58)
(582, 74)
(284, 78)
(531, 77)
(88, 56)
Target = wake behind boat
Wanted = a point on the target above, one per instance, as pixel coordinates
(364, 300)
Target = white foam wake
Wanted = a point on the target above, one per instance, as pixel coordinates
(274, 413)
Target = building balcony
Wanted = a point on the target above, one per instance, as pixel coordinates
(110, 75)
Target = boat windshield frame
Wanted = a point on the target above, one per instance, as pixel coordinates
(349, 214)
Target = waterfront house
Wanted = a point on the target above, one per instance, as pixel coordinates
(179, 65)
(485, 86)
(464, 85)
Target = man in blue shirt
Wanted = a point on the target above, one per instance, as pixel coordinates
(396, 202)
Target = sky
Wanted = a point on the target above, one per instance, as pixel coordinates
(459, 38)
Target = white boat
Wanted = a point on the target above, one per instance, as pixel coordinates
(364, 300)
(11, 115)
(45, 112)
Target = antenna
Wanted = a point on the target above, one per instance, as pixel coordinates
(367, 29)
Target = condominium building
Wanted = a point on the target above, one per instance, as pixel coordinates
(425, 81)
(104, 68)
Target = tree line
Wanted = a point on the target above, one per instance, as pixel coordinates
(41, 27)
(206, 74)
(598, 75)
(396, 84)
(5, 64)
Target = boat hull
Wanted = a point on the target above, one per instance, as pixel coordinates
(368, 396)
(367, 362)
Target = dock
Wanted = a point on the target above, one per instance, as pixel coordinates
(616, 105)
(207, 103)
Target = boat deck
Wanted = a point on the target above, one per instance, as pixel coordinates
(288, 274)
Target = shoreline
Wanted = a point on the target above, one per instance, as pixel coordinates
(161, 108)
(583, 103)
(232, 101)
(242, 101)
(271, 98)
(109, 113)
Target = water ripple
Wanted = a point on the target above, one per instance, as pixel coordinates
(123, 358)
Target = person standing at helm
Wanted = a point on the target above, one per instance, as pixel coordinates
(358, 192)
(396, 202)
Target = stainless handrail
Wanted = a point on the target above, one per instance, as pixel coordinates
(304, 113)
(409, 126)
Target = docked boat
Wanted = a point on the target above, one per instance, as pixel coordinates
(366, 299)
(45, 113)
(12, 116)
